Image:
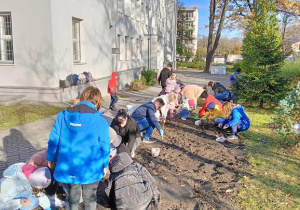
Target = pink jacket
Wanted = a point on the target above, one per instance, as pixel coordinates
(39, 159)
(170, 86)
(192, 92)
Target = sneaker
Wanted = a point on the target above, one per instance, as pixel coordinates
(183, 118)
(232, 137)
(149, 140)
(111, 108)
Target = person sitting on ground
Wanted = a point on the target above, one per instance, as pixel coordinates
(207, 99)
(130, 185)
(112, 90)
(128, 129)
(236, 118)
(164, 75)
(213, 115)
(39, 160)
(221, 93)
(168, 99)
(185, 108)
(79, 148)
(144, 116)
(192, 92)
(20, 181)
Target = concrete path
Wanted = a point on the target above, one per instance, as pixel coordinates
(19, 143)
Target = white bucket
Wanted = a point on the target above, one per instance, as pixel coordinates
(155, 152)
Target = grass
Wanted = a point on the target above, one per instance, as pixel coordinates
(275, 170)
(291, 69)
(20, 114)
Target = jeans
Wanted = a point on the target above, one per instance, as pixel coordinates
(217, 121)
(113, 99)
(184, 114)
(235, 128)
(145, 124)
(73, 192)
(221, 96)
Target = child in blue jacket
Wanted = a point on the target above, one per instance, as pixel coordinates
(236, 118)
(79, 146)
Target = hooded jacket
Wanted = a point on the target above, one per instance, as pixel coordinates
(130, 186)
(79, 144)
(170, 86)
(192, 92)
(208, 100)
(218, 88)
(112, 84)
(164, 75)
(129, 133)
(238, 114)
(216, 113)
(13, 183)
(146, 111)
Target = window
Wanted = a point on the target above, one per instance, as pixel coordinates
(132, 49)
(127, 48)
(141, 49)
(119, 46)
(76, 40)
(137, 49)
(6, 41)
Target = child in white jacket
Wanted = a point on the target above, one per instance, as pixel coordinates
(169, 99)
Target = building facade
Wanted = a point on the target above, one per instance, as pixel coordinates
(187, 33)
(42, 42)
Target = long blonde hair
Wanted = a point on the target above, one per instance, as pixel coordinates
(227, 108)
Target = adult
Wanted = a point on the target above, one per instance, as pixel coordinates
(221, 93)
(192, 92)
(208, 99)
(144, 116)
(127, 128)
(164, 75)
(79, 144)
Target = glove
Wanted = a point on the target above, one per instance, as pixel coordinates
(111, 89)
(206, 118)
(196, 116)
(158, 83)
(161, 132)
(44, 202)
(198, 122)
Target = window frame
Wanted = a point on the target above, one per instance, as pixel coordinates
(5, 56)
(76, 21)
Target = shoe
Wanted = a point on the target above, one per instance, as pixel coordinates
(111, 108)
(183, 118)
(149, 140)
(232, 137)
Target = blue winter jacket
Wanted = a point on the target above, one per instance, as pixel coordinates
(238, 114)
(146, 111)
(79, 143)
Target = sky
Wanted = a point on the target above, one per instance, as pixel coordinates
(203, 10)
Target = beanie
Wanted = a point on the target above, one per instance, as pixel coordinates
(40, 178)
(211, 105)
(191, 102)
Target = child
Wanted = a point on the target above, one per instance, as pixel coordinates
(236, 118)
(213, 114)
(168, 99)
(221, 93)
(192, 92)
(130, 185)
(185, 108)
(20, 179)
(175, 103)
(112, 90)
(207, 99)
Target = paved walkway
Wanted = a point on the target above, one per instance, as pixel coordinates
(19, 143)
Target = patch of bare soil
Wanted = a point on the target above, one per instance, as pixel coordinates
(193, 171)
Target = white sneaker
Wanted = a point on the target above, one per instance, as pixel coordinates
(149, 140)
(232, 137)
(183, 118)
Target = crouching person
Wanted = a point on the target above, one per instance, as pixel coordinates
(22, 187)
(213, 115)
(130, 185)
(185, 108)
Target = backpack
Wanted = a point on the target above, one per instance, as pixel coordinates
(81, 79)
(75, 78)
(86, 76)
(64, 83)
(70, 79)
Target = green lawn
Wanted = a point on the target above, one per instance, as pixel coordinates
(276, 171)
(20, 114)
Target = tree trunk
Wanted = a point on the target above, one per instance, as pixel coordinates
(261, 103)
(211, 47)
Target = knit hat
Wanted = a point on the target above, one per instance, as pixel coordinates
(40, 178)
(115, 139)
(211, 105)
(191, 102)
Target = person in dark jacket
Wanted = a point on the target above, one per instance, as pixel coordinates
(164, 75)
(79, 148)
(145, 118)
(130, 185)
(127, 128)
(221, 93)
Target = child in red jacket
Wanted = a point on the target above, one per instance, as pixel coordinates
(112, 90)
(207, 99)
